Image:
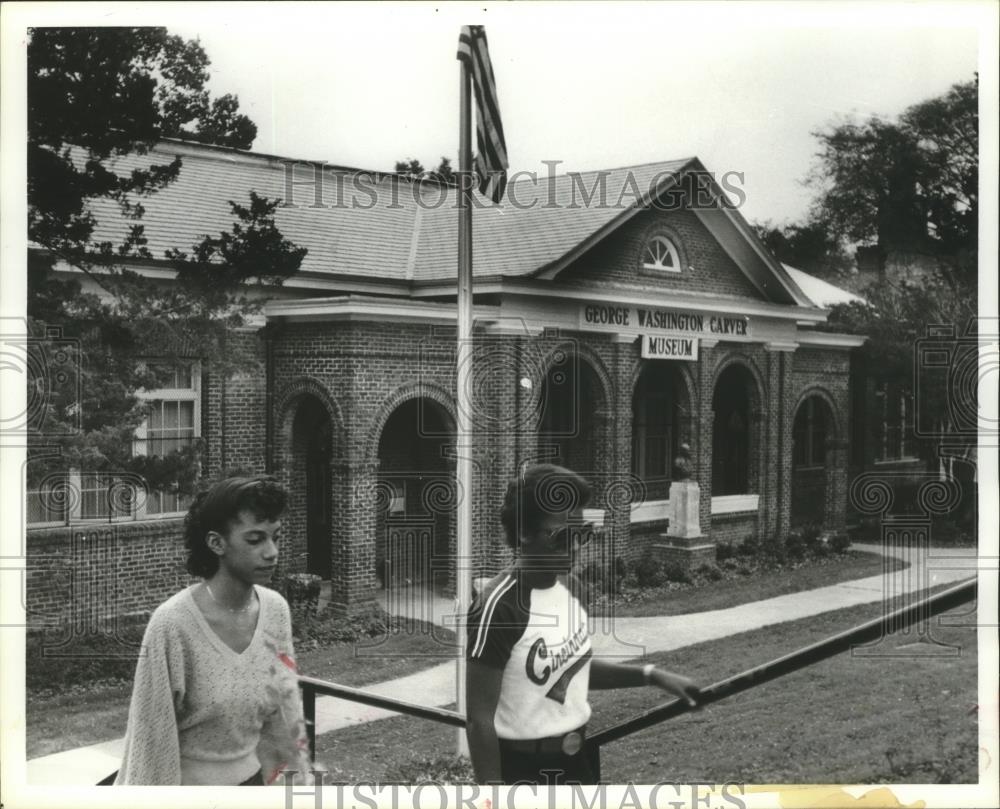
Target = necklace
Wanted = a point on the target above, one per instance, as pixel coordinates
(226, 606)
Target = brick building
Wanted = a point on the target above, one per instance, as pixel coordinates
(617, 315)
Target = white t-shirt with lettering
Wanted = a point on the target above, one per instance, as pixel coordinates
(535, 629)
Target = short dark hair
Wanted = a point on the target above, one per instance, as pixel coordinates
(536, 492)
(215, 507)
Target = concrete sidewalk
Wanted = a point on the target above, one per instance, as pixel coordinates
(619, 639)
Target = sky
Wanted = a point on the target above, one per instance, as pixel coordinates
(742, 85)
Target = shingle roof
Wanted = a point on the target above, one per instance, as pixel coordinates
(383, 226)
(339, 237)
(537, 223)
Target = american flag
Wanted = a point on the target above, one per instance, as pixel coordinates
(491, 151)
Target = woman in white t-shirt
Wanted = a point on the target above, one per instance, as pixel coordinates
(529, 657)
(216, 698)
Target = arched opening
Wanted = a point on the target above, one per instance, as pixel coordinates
(811, 431)
(573, 403)
(311, 485)
(416, 498)
(732, 439)
(660, 413)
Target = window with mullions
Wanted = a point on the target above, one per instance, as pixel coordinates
(173, 423)
(655, 418)
(661, 254)
(895, 439)
(809, 434)
(731, 439)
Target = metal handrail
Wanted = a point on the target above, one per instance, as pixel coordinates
(806, 656)
(901, 618)
(311, 687)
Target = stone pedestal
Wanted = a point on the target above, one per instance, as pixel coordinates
(685, 500)
(684, 543)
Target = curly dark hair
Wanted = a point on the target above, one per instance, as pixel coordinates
(215, 507)
(537, 491)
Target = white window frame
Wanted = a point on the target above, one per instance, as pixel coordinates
(76, 479)
(192, 394)
(657, 264)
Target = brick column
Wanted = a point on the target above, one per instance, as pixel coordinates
(770, 484)
(353, 533)
(704, 422)
(618, 521)
(780, 401)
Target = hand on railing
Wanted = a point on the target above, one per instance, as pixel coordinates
(680, 686)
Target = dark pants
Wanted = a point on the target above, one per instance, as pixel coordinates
(255, 780)
(545, 769)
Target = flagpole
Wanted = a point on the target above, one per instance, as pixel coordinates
(463, 440)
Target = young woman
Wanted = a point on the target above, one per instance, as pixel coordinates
(529, 657)
(216, 698)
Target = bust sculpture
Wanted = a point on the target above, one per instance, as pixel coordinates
(683, 465)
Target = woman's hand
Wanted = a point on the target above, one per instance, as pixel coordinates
(676, 684)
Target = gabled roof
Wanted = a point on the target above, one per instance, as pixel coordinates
(540, 222)
(383, 226)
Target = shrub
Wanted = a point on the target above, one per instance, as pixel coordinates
(840, 542)
(795, 545)
(301, 591)
(328, 628)
(648, 571)
(750, 546)
(601, 580)
(675, 571)
(724, 551)
(813, 537)
(708, 572)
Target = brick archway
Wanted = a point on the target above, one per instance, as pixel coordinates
(309, 445)
(818, 472)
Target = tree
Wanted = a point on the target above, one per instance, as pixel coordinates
(94, 95)
(908, 189)
(414, 169)
(809, 247)
(896, 317)
(908, 185)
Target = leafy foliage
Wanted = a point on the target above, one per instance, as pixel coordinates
(810, 247)
(96, 95)
(329, 627)
(414, 169)
(909, 184)
(895, 316)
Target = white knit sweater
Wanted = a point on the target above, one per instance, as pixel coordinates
(203, 714)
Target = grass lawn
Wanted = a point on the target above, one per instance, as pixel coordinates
(79, 716)
(679, 599)
(851, 719)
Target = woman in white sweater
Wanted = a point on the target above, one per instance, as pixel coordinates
(216, 698)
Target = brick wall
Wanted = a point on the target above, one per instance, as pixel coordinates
(734, 528)
(706, 267)
(234, 407)
(825, 374)
(87, 574)
(359, 374)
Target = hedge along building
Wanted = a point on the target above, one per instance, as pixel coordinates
(617, 314)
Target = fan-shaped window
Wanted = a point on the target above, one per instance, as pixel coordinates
(661, 254)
